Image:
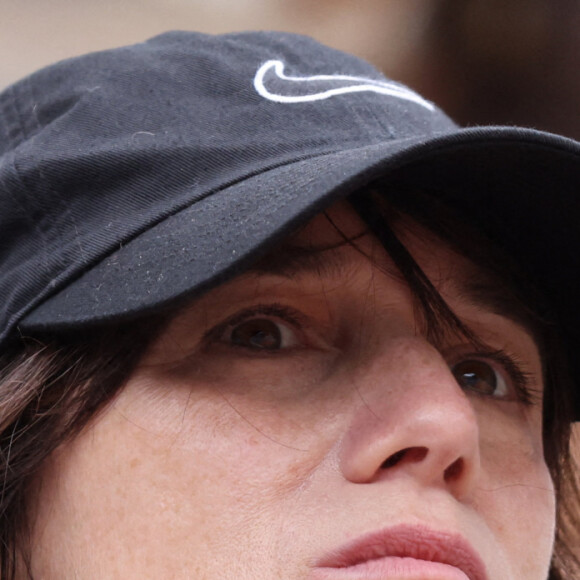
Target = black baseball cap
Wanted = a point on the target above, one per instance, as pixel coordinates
(134, 178)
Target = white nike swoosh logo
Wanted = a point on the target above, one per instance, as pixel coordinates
(290, 89)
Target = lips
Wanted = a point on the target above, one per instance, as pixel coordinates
(405, 552)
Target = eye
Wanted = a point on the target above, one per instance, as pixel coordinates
(480, 377)
(269, 329)
(266, 328)
(260, 334)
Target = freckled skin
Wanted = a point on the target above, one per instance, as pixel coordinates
(219, 462)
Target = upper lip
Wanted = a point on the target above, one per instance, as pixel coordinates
(409, 541)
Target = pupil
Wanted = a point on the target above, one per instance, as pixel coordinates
(476, 376)
(257, 334)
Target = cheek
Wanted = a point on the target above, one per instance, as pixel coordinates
(158, 480)
(521, 516)
(240, 413)
(516, 493)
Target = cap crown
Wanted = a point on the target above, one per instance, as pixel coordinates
(94, 150)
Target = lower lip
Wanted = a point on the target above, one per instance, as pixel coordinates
(392, 568)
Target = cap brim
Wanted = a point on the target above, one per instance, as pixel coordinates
(519, 185)
(216, 237)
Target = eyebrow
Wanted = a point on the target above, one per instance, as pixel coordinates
(475, 288)
(292, 261)
(483, 291)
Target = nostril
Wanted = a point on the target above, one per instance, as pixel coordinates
(393, 459)
(454, 470)
(409, 454)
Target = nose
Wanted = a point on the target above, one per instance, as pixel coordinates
(412, 420)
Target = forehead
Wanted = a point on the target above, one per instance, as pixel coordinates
(337, 244)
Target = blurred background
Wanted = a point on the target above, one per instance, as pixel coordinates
(483, 61)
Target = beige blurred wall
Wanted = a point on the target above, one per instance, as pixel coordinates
(34, 33)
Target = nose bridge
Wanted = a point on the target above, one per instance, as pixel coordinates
(412, 419)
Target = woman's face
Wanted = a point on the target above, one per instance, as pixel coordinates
(295, 423)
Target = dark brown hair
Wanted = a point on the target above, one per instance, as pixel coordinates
(49, 389)
(52, 386)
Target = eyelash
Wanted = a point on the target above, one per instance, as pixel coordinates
(510, 367)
